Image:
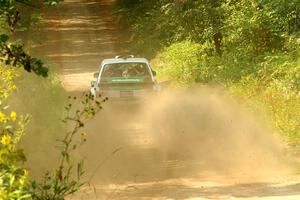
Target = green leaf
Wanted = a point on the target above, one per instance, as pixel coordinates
(4, 38)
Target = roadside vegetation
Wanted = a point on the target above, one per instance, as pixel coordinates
(250, 47)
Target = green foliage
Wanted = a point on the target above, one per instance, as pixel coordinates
(13, 54)
(279, 106)
(255, 26)
(260, 26)
(183, 63)
(159, 23)
(12, 13)
(148, 24)
(14, 183)
(269, 84)
(249, 46)
(13, 178)
(6, 83)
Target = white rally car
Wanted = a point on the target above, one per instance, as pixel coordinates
(124, 78)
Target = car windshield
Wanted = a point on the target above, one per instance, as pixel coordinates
(126, 70)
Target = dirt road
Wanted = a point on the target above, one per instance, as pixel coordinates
(126, 158)
(77, 36)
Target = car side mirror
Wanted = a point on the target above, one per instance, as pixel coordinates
(154, 73)
(96, 75)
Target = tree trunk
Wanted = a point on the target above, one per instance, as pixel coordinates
(218, 42)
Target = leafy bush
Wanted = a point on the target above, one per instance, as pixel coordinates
(179, 62)
(184, 63)
(281, 106)
(13, 177)
(267, 83)
(254, 26)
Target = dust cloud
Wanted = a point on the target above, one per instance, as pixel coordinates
(43, 99)
(200, 132)
(208, 126)
(197, 133)
(173, 137)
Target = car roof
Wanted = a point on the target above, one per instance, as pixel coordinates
(124, 60)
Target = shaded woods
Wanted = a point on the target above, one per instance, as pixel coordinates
(250, 47)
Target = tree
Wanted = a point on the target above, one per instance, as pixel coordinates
(260, 24)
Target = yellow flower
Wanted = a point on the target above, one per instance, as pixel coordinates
(13, 116)
(6, 139)
(26, 172)
(2, 117)
(83, 135)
